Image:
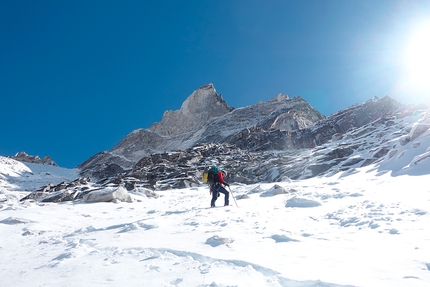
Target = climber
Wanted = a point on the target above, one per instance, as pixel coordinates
(216, 186)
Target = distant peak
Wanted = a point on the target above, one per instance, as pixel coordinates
(203, 105)
(280, 97)
(209, 86)
(24, 157)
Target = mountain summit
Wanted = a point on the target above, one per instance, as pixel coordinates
(198, 109)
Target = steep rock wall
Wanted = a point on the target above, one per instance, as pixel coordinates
(199, 108)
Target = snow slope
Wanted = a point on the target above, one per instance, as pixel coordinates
(368, 227)
(25, 177)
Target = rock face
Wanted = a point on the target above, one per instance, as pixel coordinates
(343, 121)
(24, 157)
(65, 191)
(298, 132)
(263, 126)
(198, 109)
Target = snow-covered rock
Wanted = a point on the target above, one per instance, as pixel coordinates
(12, 168)
(108, 195)
(24, 157)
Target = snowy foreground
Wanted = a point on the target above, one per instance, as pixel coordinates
(362, 228)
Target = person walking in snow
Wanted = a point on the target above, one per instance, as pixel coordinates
(217, 186)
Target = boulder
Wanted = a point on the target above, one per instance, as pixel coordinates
(418, 130)
(275, 190)
(108, 195)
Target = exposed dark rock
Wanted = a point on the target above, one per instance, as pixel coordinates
(317, 169)
(382, 151)
(60, 192)
(352, 161)
(24, 157)
(338, 153)
(59, 196)
(108, 170)
(345, 120)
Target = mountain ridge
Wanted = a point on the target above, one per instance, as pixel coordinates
(204, 117)
(269, 141)
(262, 143)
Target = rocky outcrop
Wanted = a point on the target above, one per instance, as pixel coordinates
(202, 106)
(345, 120)
(321, 130)
(65, 191)
(83, 189)
(24, 157)
(263, 126)
(125, 154)
(298, 126)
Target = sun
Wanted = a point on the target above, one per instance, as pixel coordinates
(418, 57)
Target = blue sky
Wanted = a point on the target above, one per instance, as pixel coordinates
(77, 76)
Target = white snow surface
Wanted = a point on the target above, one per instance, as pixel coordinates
(362, 227)
(20, 176)
(366, 228)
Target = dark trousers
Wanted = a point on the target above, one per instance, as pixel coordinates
(215, 190)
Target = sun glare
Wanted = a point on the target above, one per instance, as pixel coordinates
(418, 57)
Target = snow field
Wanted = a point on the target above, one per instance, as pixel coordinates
(355, 230)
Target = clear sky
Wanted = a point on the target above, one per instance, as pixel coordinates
(77, 76)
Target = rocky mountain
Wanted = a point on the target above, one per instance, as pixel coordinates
(344, 141)
(279, 140)
(24, 157)
(204, 118)
(280, 124)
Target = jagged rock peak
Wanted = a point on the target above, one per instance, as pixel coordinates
(24, 157)
(280, 97)
(200, 107)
